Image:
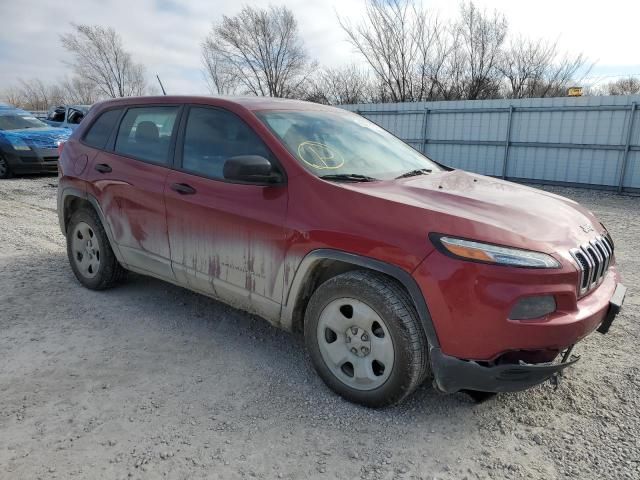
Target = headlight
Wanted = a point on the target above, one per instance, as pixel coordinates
(19, 144)
(494, 254)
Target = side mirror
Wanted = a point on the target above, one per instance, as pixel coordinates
(250, 169)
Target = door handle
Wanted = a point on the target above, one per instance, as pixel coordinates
(103, 168)
(183, 188)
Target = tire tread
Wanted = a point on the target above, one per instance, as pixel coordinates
(402, 307)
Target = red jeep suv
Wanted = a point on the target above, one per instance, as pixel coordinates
(396, 268)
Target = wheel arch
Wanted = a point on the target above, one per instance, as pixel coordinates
(70, 200)
(323, 264)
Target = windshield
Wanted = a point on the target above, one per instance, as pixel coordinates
(17, 121)
(328, 143)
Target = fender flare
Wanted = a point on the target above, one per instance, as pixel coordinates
(311, 261)
(64, 194)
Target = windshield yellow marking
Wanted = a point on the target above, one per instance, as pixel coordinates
(319, 155)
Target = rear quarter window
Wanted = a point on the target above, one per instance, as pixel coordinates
(99, 132)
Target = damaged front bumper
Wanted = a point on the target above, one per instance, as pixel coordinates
(452, 374)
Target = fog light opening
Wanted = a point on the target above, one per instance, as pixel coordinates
(529, 308)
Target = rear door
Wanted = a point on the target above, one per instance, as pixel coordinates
(128, 179)
(227, 239)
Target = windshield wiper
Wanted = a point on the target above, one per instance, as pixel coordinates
(414, 173)
(348, 177)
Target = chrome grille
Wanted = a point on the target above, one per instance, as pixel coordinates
(593, 259)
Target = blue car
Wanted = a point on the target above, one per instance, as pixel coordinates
(27, 145)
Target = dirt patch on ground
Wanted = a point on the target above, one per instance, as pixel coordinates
(151, 381)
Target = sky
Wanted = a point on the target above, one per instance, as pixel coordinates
(165, 35)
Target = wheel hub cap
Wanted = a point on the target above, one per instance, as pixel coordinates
(85, 250)
(358, 341)
(355, 344)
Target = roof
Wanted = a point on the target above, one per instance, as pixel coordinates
(268, 103)
(250, 103)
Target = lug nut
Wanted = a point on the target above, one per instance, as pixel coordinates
(364, 350)
(364, 337)
(354, 350)
(348, 339)
(354, 330)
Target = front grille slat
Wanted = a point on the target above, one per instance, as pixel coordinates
(583, 266)
(593, 266)
(593, 260)
(599, 264)
(604, 253)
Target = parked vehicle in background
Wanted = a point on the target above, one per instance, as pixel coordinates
(396, 268)
(66, 116)
(28, 145)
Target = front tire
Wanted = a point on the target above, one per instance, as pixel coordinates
(5, 170)
(365, 338)
(90, 255)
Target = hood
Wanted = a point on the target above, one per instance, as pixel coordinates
(492, 210)
(37, 137)
(71, 126)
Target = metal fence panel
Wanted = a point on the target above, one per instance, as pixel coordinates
(632, 177)
(486, 160)
(586, 141)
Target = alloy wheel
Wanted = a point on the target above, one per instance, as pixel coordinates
(355, 344)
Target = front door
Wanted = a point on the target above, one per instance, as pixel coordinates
(226, 239)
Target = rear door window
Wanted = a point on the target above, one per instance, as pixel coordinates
(145, 133)
(212, 136)
(100, 131)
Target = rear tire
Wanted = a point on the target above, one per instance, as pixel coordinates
(365, 338)
(5, 170)
(90, 255)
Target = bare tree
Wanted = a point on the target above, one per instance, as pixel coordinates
(259, 51)
(563, 74)
(12, 96)
(36, 95)
(100, 58)
(624, 86)
(524, 65)
(534, 68)
(78, 91)
(220, 78)
(437, 47)
(33, 94)
(339, 86)
(402, 45)
(417, 57)
(479, 36)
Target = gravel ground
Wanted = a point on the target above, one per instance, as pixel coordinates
(151, 381)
